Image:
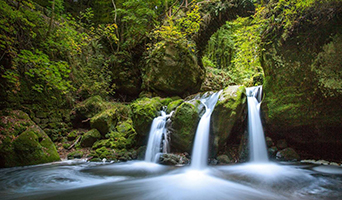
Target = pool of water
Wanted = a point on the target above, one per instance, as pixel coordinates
(142, 180)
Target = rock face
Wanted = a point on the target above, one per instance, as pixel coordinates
(303, 83)
(22, 142)
(173, 70)
(183, 126)
(227, 118)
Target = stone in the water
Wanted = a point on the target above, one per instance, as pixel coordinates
(223, 159)
(288, 154)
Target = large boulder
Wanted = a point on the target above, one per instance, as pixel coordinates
(22, 142)
(144, 111)
(227, 119)
(303, 82)
(87, 109)
(173, 70)
(183, 126)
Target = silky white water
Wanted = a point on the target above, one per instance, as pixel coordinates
(257, 144)
(155, 142)
(200, 149)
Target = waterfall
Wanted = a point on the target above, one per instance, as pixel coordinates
(200, 149)
(155, 144)
(257, 144)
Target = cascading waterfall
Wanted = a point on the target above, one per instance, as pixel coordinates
(257, 144)
(157, 133)
(201, 144)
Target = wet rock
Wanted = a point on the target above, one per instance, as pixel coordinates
(173, 159)
(223, 159)
(287, 154)
(144, 111)
(227, 114)
(272, 152)
(269, 142)
(183, 126)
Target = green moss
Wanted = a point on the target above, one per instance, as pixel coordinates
(107, 120)
(72, 135)
(102, 143)
(90, 107)
(173, 105)
(23, 142)
(227, 114)
(75, 155)
(144, 111)
(184, 123)
(90, 137)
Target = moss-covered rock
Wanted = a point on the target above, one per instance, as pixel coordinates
(87, 109)
(303, 82)
(227, 119)
(287, 154)
(173, 70)
(75, 155)
(121, 139)
(72, 135)
(144, 111)
(173, 105)
(183, 126)
(215, 79)
(23, 142)
(173, 159)
(90, 137)
(106, 120)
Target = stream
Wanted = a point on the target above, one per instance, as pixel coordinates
(146, 180)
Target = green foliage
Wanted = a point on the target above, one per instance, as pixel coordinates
(46, 74)
(220, 48)
(328, 66)
(176, 31)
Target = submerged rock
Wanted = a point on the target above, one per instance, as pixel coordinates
(22, 142)
(287, 154)
(173, 159)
